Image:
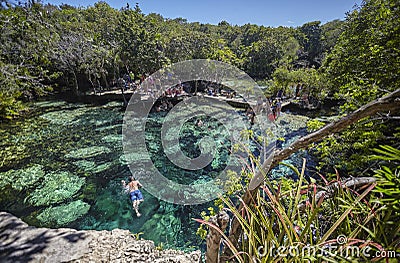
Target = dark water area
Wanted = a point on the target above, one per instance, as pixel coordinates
(63, 166)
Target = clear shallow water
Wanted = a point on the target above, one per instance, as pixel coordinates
(63, 166)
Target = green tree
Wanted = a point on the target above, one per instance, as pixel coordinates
(220, 51)
(25, 41)
(312, 81)
(330, 33)
(140, 48)
(363, 66)
(309, 36)
(261, 59)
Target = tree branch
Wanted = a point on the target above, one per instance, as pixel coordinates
(330, 190)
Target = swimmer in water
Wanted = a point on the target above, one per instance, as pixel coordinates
(134, 193)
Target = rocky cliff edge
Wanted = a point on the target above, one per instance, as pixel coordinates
(22, 243)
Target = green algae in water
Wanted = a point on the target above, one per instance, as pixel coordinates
(117, 139)
(63, 214)
(113, 104)
(26, 178)
(50, 104)
(55, 188)
(22, 178)
(163, 227)
(12, 153)
(81, 115)
(130, 157)
(93, 167)
(108, 128)
(88, 152)
(65, 117)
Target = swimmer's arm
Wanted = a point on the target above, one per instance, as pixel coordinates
(125, 186)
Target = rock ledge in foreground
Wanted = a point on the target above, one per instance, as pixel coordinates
(22, 243)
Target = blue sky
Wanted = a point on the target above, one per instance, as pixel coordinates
(262, 12)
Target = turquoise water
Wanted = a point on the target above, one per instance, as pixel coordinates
(63, 166)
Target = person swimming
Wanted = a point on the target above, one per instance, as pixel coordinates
(134, 193)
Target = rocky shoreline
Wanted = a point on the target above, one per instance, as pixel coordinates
(20, 242)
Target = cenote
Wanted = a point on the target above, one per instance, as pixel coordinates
(63, 165)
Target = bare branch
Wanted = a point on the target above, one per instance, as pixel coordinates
(330, 190)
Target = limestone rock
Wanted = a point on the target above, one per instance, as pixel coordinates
(55, 188)
(63, 214)
(22, 178)
(88, 152)
(22, 243)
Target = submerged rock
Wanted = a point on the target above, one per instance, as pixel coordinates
(6, 178)
(63, 214)
(22, 178)
(50, 104)
(163, 227)
(136, 157)
(92, 167)
(113, 138)
(65, 117)
(11, 153)
(55, 188)
(113, 104)
(88, 152)
(108, 128)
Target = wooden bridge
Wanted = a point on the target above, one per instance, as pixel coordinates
(119, 95)
(239, 102)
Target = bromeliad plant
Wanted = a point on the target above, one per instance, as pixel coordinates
(293, 221)
(386, 227)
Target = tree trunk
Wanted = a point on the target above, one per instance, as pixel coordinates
(123, 96)
(106, 84)
(214, 237)
(76, 86)
(387, 103)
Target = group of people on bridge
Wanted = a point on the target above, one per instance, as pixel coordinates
(271, 106)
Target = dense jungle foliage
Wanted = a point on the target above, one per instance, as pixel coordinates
(47, 48)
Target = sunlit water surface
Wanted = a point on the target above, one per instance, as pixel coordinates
(63, 166)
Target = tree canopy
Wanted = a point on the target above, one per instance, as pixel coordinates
(48, 48)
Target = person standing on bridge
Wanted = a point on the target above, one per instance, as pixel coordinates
(259, 105)
(278, 108)
(279, 94)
